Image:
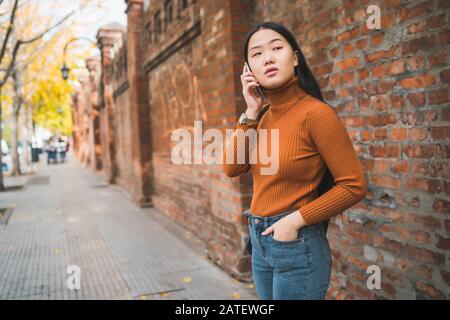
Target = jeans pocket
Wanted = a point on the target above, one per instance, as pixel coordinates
(299, 239)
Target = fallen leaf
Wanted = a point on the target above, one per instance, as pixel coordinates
(186, 279)
(236, 295)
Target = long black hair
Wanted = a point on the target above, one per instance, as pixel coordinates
(306, 81)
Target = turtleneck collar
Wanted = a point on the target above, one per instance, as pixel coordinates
(285, 95)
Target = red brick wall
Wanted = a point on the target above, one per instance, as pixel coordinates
(390, 88)
(141, 147)
(192, 70)
(86, 140)
(109, 38)
(122, 118)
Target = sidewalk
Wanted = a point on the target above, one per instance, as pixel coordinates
(67, 215)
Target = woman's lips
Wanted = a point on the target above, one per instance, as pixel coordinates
(271, 73)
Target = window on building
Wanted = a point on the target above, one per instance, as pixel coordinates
(183, 4)
(168, 9)
(148, 29)
(157, 24)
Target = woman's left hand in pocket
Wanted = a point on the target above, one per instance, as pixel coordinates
(286, 229)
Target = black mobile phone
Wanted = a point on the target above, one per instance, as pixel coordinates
(258, 89)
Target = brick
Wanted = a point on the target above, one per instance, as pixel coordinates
(361, 43)
(400, 167)
(445, 75)
(443, 243)
(415, 63)
(428, 291)
(380, 102)
(424, 255)
(438, 21)
(346, 35)
(417, 99)
(386, 151)
(385, 181)
(438, 59)
(444, 37)
(427, 185)
(382, 120)
(420, 81)
(381, 165)
(420, 167)
(445, 114)
(377, 39)
(381, 134)
(380, 55)
(416, 27)
(348, 63)
(418, 134)
(440, 133)
(363, 74)
(399, 134)
(419, 151)
(446, 277)
(443, 4)
(439, 96)
(347, 77)
(423, 43)
(406, 13)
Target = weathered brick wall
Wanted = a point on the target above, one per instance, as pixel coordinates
(109, 38)
(192, 68)
(92, 114)
(390, 89)
(141, 147)
(122, 118)
(80, 123)
(389, 86)
(85, 117)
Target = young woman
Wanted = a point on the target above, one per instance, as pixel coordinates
(290, 209)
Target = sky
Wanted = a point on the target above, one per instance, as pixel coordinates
(112, 11)
(93, 18)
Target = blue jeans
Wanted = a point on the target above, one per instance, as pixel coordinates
(289, 270)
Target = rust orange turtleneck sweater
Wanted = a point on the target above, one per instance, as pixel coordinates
(311, 137)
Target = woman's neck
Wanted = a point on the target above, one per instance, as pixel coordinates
(285, 95)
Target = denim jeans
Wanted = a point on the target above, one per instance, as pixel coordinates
(289, 270)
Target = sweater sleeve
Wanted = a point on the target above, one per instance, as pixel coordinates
(237, 149)
(334, 145)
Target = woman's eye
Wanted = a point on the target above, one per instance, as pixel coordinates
(260, 52)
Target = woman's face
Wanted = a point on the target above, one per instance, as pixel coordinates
(269, 49)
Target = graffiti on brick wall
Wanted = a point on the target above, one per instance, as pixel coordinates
(179, 100)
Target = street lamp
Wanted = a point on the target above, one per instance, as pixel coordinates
(64, 69)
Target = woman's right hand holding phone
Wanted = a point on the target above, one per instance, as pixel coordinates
(252, 98)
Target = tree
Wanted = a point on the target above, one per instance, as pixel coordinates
(20, 22)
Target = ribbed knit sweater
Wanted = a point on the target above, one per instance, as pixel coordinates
(311, 137)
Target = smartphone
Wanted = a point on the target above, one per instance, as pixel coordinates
(259, 90)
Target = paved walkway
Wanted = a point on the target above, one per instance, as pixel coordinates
(66, 215)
